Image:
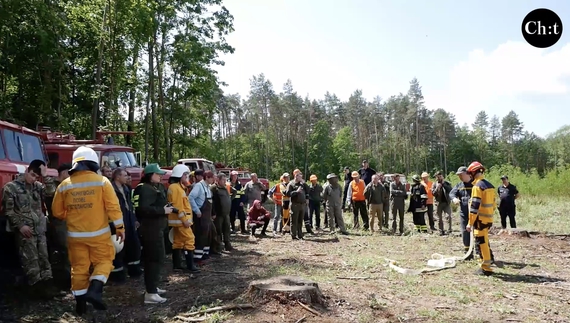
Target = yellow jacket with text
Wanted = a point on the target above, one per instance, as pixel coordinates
(177, 197)
(482, 204)
(88, 202)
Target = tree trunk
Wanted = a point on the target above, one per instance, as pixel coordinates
(95, 110)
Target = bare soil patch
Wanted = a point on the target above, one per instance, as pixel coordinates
(531, 284)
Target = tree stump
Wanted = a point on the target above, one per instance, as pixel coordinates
(286, 287)
(514, 232)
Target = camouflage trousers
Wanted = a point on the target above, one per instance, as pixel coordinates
(34, 257)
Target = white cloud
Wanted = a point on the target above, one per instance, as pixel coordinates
(495, 81)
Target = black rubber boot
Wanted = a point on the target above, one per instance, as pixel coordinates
(80, 305)
(118, 276)
(177, 259)
(190, 261)
(95, 295)
(135, 271)
(228, 246)
(309, 229)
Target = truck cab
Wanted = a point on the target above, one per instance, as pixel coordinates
(198, 163)
(18, 147)
(60, 148)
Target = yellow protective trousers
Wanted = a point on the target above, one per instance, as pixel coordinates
(482, 240)
(183, 238)
(83, 253)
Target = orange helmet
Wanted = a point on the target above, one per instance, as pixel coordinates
(474, 167)
(313, 178)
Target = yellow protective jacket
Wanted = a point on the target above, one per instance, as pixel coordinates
(87, 201)
(177, 196)
(482, 205)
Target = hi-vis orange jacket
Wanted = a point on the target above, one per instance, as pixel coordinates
(356, 191)
(427, 185)
(88, 203)
(177, 196)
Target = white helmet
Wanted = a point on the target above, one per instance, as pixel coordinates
(84, 153)
(171, 235)
(179, 170)
(117, 244)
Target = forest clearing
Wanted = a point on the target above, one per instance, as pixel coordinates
(531, 284)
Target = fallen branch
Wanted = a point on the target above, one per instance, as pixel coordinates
(301, 319)
(309, 309)
(354, 277)
(191, 319)
(221, 308)
(318, 254)
(222, 272)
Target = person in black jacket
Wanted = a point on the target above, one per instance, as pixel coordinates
(152, 209)
(508, 193)
(238, 203)
(366, 172)
(132, 251)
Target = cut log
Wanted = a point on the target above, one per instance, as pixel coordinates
(286, 287)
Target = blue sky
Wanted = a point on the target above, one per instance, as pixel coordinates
(468, 56)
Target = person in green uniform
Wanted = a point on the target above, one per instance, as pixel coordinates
(152, 211)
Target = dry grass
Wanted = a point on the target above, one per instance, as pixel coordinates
(531, 286)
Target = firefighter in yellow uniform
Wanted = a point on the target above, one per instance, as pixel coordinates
(481, 210)
(88, 203)
(181, 219)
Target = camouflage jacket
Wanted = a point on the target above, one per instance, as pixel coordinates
(23, 203)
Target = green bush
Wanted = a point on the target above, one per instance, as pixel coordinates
(554, 183)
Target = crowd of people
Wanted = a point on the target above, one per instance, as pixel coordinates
(100, 228)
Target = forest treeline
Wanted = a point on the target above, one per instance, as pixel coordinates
(79, 66)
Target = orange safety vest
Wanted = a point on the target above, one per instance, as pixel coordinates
(357, 191)
(229, 188)
(428, 186)
(277, 195)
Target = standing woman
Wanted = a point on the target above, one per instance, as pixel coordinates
(152, 210)
(181, 219)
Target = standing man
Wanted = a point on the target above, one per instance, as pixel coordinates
(357, 200)
(398, 196)
(332, 194)
(375, 195)
(428, 185)
(508, 193)
(57, 238)
(238, 202)
(460, 195)
(201, 202)
(298, 192)
(253, 190)
(347, 179)
(276, 195)
(386, 202)
(88, 203)
(315, 191)
(366, 172)
(418, 198)
(22, 201)
(481, 210)
(222, 193)
(441, 189)
(306, 219)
